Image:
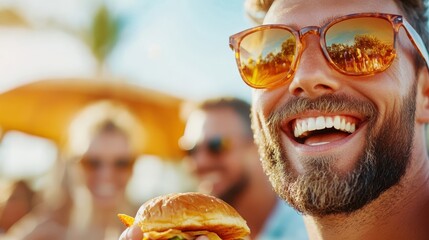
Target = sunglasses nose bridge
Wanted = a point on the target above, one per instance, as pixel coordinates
(309, 30)
(305, 31)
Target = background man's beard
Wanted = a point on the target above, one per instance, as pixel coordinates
(321, 190)
(231, 194)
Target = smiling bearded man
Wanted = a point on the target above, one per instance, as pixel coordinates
(323, 189)
(339, 107)
(340, 103)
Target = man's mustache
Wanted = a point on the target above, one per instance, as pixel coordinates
(326, 104)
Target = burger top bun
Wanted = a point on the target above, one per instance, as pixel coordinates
(191, 212)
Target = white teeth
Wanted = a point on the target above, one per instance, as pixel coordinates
(320, 123)
(348, 127)
(305, 125)
(343, 124)
(311, 124)
(296, 132)
(329, 122)
(337, 122)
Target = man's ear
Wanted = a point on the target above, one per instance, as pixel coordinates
(422, 101)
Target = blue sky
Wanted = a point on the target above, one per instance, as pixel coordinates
(181, 47)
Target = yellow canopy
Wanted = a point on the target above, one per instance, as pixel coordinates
(45, 108)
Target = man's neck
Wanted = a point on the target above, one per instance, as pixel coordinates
(402, 212)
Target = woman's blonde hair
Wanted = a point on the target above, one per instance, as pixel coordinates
(100, 117)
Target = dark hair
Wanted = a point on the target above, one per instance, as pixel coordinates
(414, 12)
(241, 107)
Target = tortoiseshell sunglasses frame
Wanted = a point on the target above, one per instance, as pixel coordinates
(396, 21)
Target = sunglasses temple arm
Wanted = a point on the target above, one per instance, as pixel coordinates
(417, 41)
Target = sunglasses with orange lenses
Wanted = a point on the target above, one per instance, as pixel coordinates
(356, 45)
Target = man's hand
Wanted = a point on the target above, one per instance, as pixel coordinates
(134, 233)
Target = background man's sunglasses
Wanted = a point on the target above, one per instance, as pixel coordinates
(357, 45)
(214, 146)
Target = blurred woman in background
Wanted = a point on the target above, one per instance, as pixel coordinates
(104, 138)
(102, 144)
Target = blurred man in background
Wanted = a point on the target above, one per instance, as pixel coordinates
(219, 143)
(218, 140)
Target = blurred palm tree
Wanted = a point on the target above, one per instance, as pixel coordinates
(102, 36)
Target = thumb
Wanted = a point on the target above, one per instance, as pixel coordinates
(132, 233)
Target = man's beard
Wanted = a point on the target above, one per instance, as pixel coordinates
(322, 190)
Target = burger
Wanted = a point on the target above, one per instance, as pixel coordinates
(181, 216)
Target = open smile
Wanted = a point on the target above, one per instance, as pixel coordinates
(322, 129)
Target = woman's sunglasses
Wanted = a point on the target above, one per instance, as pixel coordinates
(95, 164)
(357, 45)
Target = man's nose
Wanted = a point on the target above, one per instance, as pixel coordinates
(203, 160)
(313, 77)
